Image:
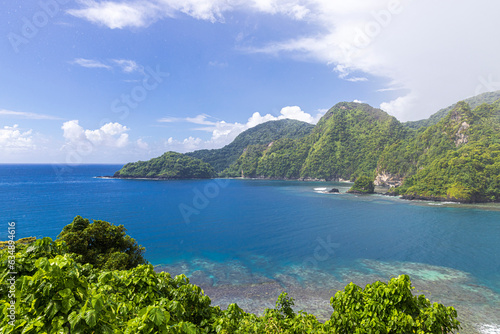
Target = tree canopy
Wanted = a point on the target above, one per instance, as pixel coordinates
(102, 244)
(170, 165)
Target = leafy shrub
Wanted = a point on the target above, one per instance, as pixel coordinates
(102, 244)
(389, 308)
(363, 184)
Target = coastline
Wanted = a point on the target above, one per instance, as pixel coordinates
(153, 178)
(409, 197)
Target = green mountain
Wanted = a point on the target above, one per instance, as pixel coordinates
(204, 163)
(456, 159)
(170, 165)
(264, 133)
(345, 143)
(473, 102)
(454, 155)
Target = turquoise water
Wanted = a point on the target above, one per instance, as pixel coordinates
(233, 235)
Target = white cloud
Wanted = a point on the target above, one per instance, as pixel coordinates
(223, 133)
(13, 139)
(170, 120)
(28, 115)
(117, 15)
(90, 63)
(398, 106)
(422, 47)
(110, 135)
(357, 79)
(128, 66)
(218, 64)
(141, 144)
(125, 65)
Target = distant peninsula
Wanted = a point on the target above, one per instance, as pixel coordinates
(169, 166)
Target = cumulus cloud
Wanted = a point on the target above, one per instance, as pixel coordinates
(223, 133)
(117, 14)
(141, 144)
(438, 51)
(12, 138)
(111, 135)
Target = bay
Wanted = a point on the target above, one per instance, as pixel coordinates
(246, 240)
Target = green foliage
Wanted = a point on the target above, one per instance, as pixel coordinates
(347, 142)
(469, 174)
(473, 102)
(389, 308)
(23, 241)
(246, 165)
(455, 159)
(102, 244)
(363, 184)
(170, 165)
(284, 159)
(57, 294)
(262, 134)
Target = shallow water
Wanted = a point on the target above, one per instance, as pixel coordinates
(247, 240)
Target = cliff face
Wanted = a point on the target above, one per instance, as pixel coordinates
(385, 179)
(461, 136)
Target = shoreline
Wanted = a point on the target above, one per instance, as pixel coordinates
(411, 197)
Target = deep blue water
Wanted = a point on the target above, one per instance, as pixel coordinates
(283, 222)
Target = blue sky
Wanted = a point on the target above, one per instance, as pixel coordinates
(92, 81)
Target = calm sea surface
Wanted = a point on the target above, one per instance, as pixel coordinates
(241, 235)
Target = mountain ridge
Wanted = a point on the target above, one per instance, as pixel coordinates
(457, 158)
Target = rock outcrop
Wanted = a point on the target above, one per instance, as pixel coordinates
(385, 179)
(461, 137)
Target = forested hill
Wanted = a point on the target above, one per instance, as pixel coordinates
(170, 165)
(345, 143)
(264, 133)
(456, 159)
(473, 102)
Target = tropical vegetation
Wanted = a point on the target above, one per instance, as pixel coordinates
(262, 134)
(170, 165)
(453, 156)
(55, 290)
(363, 185)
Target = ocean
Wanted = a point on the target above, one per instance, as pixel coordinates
(245, 241)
